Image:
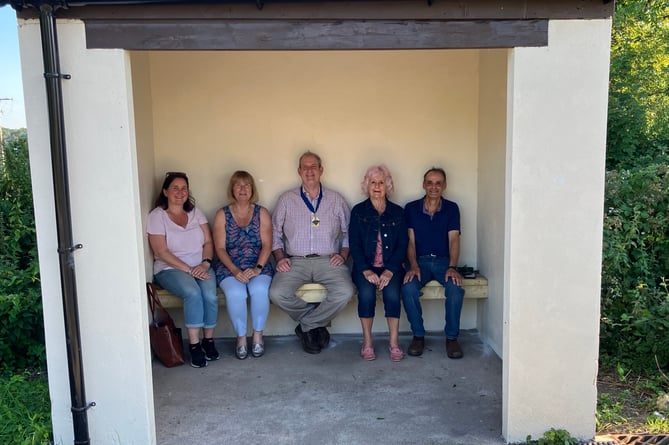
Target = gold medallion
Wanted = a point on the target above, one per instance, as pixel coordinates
(315, 221)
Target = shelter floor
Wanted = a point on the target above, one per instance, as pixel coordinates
(291, 397)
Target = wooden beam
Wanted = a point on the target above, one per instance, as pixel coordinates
(346, 10)
(314, 35)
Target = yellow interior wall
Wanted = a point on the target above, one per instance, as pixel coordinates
(216, 112)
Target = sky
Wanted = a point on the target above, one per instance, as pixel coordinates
(12, 112)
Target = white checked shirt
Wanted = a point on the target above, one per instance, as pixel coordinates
(294, 232)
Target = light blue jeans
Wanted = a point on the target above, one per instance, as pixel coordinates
(433, 268)
(235, 300)
(199, 296)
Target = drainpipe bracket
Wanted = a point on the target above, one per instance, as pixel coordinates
(70, 249)
(57, 76)
(75, 409)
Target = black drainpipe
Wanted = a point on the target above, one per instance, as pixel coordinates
(66, 247)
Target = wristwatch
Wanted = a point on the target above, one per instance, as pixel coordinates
(208, 260)
(259, 266)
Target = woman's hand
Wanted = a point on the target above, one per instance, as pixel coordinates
(384, 279)
(200, 272)
(380, 281)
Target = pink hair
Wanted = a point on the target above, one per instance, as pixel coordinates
(373, 171)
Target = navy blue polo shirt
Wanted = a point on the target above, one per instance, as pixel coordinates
(431, 232)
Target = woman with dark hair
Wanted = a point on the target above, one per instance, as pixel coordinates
(182, 247)
(378, 239)
(243, 240)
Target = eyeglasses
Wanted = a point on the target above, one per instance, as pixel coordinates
(175, 174)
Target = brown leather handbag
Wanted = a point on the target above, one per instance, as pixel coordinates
(166, 342)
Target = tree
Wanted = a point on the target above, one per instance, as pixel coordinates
(638, 124)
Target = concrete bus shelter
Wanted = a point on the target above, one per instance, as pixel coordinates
(508, 96)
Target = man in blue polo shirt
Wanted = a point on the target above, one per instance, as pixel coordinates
(433, 251)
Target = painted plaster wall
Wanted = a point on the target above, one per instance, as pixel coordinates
(555, 188)
(491, 194)
(106, 218)
(259, 110)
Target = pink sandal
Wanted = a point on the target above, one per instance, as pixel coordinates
(396, 354)
(367, 353)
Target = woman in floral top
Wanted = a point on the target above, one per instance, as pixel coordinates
(243, 240)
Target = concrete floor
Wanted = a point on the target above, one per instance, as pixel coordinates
(291, 397)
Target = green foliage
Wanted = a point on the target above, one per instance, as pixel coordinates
(635, 301)
(21, 322)
(610, 410)
(638, 124)
(25, 416)
(553, 437)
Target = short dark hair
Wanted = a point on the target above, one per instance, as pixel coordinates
(435, 170)
(161, 200)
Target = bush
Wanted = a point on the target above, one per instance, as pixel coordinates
(635, 300)
(21, 321)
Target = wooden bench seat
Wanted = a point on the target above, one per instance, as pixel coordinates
(476, 288)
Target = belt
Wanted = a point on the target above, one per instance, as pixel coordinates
(311, 255)
(431, 256)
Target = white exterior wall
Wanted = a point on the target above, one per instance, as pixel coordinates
(99, 128)
(555, 189)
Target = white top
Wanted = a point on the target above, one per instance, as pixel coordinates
(184, 243)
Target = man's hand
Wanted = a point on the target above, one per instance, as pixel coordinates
(283, 265)
(411, 273)
(454, 275)
(336, 260)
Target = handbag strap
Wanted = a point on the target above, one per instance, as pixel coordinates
(154, 301)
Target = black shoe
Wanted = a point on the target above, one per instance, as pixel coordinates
(210, 352)
(417, 346)
(323, 337)
(309, 340)
(197, 359)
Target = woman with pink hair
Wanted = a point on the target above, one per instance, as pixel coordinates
(378, 240)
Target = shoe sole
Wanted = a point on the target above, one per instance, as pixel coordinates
(198, 366)
(415, 353)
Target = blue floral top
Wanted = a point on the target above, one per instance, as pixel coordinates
(243, 245)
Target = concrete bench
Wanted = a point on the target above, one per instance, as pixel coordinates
(475, 288)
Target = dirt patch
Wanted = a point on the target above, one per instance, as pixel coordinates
(623, 406)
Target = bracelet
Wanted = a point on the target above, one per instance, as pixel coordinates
(208, 260)
(453, 267)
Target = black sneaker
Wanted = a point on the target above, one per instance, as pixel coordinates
(323, 337)
(309, 340)
(197, 359)
(210, 352)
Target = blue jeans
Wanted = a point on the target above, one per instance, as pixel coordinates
(367, 295)
(236, 293)
(199, 296)
(433, 268)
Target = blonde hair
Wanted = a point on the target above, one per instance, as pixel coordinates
(239, 176)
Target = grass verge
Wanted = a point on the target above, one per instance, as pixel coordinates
(25, 409)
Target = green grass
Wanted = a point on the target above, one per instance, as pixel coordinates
(25, 409)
